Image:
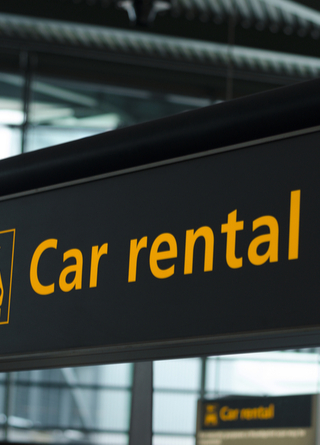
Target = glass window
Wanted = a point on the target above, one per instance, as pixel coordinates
(178, 374)
(68, 404)
(174, 413)
(11, 114)
(172, 440)
(62, 111)
(93, 403)
(273, 373)
(108, 375)
(177, 386)
(112, 410)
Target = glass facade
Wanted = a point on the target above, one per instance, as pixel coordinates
(69, 404)
(92, 404)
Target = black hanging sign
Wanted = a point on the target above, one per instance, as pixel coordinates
(257, 420)
(199, 249)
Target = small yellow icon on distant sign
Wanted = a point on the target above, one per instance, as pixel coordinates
(211, 415)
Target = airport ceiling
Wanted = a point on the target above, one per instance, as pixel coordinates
(193, 47)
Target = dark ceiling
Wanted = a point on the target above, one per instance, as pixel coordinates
(196, 48)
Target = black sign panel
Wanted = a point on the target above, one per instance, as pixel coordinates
(256, 412)
(226, 244)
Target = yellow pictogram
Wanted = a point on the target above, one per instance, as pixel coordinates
(211, 415)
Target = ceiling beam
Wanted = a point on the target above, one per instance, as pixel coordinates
(166, 24)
